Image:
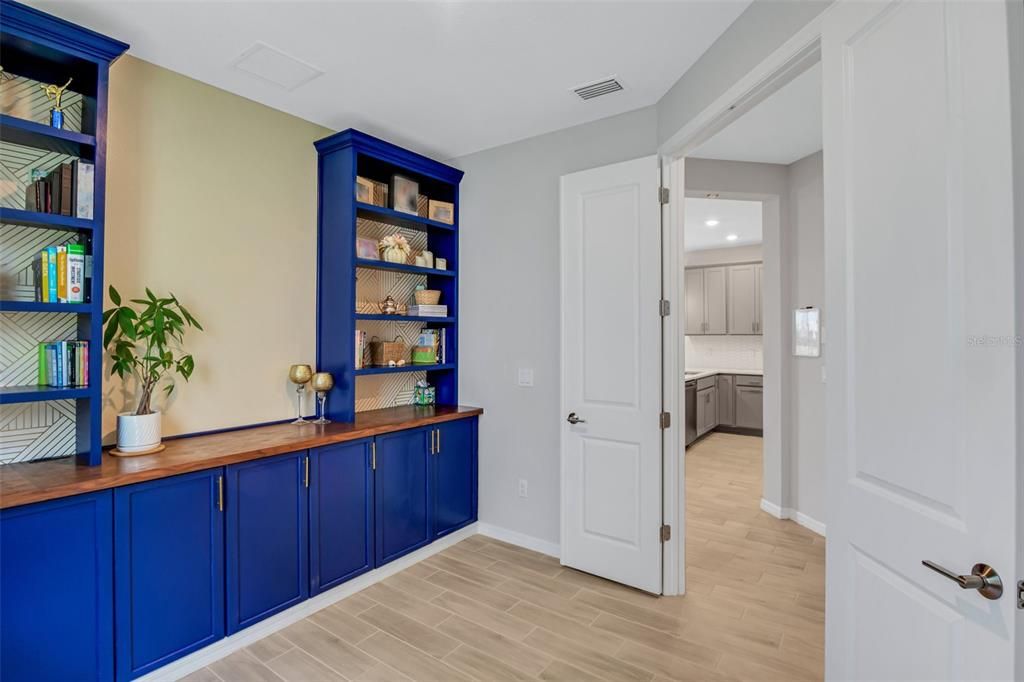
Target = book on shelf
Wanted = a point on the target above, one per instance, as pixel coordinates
(360, 349)
(436, 338)
(63, 364)
(67, 190)
(61, 274)
(428, 310)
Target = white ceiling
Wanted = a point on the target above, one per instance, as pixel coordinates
(740, 218)
(784, 128)
(446, 78)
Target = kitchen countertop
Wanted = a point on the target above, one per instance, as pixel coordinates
(701, 373)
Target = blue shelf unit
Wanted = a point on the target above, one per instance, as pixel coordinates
(341, 158)
(44, 48)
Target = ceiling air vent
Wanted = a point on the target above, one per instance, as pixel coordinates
(592, 90)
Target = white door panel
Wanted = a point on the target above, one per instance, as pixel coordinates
(611, 367)
(919, 262)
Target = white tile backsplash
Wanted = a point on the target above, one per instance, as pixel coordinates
(724, 352)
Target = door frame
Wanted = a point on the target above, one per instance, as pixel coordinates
(788, 61)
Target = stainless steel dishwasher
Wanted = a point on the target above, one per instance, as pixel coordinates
(691, 411)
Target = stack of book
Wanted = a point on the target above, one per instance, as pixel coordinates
(436, 339)
(428, 310)
(66, 190)
(361, 349)
(63, 364)
(59, 273)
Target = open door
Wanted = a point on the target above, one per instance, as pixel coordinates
(611, 372)
(921, 336)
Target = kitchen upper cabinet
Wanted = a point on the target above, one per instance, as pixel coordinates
(705, 300)
(707, 410)
(266, 515)
(401, 493)
(169, 563)
(726, 400)
(340, 513)
(750, 407)
(744, 293)
(56, 561)
(454, 465)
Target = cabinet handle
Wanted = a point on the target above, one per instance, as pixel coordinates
(373, 455)
(439, 441)
(433, 448)
(307, 472)
(220, 493)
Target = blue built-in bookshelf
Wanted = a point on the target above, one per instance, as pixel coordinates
(36, 49)
(348, 287)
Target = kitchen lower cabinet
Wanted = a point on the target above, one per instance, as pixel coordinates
(340, 513)
(56, 592)
(707, 410)
(750, 407)
(726, 400)
(402, 501)
(266, 512)
(169, 568)
(454, 476)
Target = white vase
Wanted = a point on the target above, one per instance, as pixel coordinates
(138, 433)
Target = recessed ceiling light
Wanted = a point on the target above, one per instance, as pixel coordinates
(711, 223)
(732, 237)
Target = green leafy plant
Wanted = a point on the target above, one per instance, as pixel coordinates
(145, 342)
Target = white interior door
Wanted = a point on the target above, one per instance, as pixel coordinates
(921, 360)
(611, 372)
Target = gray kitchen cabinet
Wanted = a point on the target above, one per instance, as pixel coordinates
(706, 300)
(726, 400)
(707, 410)
(744, 298)
(749, 407)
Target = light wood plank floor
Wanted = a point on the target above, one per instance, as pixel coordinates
(486, 610)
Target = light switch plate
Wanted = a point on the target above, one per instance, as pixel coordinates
(525, 377)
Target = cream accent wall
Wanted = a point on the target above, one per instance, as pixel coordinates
(213, 196)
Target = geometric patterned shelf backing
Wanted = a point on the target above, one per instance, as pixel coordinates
(33, 430)
(378, 391)
(44, 429)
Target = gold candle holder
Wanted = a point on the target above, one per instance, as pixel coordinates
(300, 375)
(322, 383)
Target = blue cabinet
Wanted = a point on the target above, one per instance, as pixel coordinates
(266, 515)
(454, 476)
(56, 600)
(401, 493)
(169, 563)
(340, 513)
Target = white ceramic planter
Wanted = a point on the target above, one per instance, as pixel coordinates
(138, 433)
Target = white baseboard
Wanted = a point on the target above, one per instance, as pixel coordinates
(799, 517)
(228, 645)
(521, 539)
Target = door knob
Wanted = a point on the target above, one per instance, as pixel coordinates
(573, 419)
(983, 578)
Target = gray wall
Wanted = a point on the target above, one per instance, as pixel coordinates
(509, 307)
(760, 30)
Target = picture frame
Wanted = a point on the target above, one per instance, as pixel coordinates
(405, 194)
(367, 249)
(807, 332)
(441, 211)
(364, 190)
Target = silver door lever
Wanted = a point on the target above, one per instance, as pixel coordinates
(573, 419)
(983, 578)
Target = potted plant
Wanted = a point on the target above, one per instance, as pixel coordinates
(145, 343)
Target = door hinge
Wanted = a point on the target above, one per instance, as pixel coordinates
(666, 533)
(664, 307)
(1020, 594)
(663, 195)
(665, 420)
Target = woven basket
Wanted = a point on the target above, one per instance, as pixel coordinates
(428, 297)
(382, 353)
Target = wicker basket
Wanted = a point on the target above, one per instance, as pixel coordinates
(427, 296)
(382, 353)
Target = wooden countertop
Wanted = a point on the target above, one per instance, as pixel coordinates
(28, 482)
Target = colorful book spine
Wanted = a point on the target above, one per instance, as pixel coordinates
(84, 189)
(43, 282)
(62, 274)
(42, 379)
(51, 270)
(76, 273)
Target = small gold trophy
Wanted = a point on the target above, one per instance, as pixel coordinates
(55, 93)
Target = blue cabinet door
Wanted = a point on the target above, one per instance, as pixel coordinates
(454, 476)
(169, 563)
(266, 515)
(340, 513)
(401, 493)
(56, 590)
